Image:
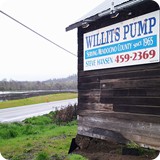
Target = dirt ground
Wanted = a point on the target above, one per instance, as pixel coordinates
(111, 156)
(95, 149)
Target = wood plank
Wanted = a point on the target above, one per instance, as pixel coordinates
(91, 93)
(123, 92)
(132, 100)
(149, 70)
(122, 115)
(86, 99)
(149, 92)
(122, 126)
(130, 83)
(93, 96)
(142, 109)
(110, 135)
(139, 131)
(95, 106)
(101, 134)
(89, 86)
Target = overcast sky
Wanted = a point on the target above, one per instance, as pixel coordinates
(26, 56)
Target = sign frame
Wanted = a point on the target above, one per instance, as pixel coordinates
(127, 43)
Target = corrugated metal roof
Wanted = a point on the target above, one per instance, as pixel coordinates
(102, 9)
(107, 4)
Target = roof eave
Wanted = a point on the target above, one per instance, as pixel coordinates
(103, 13)
(82, 22)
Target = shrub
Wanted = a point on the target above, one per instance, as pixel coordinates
(40, 120)
(9, 131)
(66, 115)
(30, 129)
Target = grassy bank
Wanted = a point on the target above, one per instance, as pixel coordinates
(46, 137)
(37, 99)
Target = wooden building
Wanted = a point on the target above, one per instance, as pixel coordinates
(119, 72)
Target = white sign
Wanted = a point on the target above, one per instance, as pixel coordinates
(131, 42)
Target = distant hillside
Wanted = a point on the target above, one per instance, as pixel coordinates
(69, 83)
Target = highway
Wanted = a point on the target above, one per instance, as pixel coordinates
(20, 113)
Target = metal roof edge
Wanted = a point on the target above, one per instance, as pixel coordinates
(82, 22)
(98, 15)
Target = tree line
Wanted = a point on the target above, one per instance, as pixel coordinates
(69, 83)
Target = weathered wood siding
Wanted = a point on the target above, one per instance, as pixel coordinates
(123, 103)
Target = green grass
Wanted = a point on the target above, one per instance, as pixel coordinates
(37, 99)
(75, 157)
(51, 140)
(37, 138)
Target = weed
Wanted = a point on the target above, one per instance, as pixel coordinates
(9, 131)
(66, 115)
(18, 157)
(30, 130)
(40, 120)
(141, 150)
(57, 157)
(75, 157)
(42, 156)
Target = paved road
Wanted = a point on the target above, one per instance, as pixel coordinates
(20, 113)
